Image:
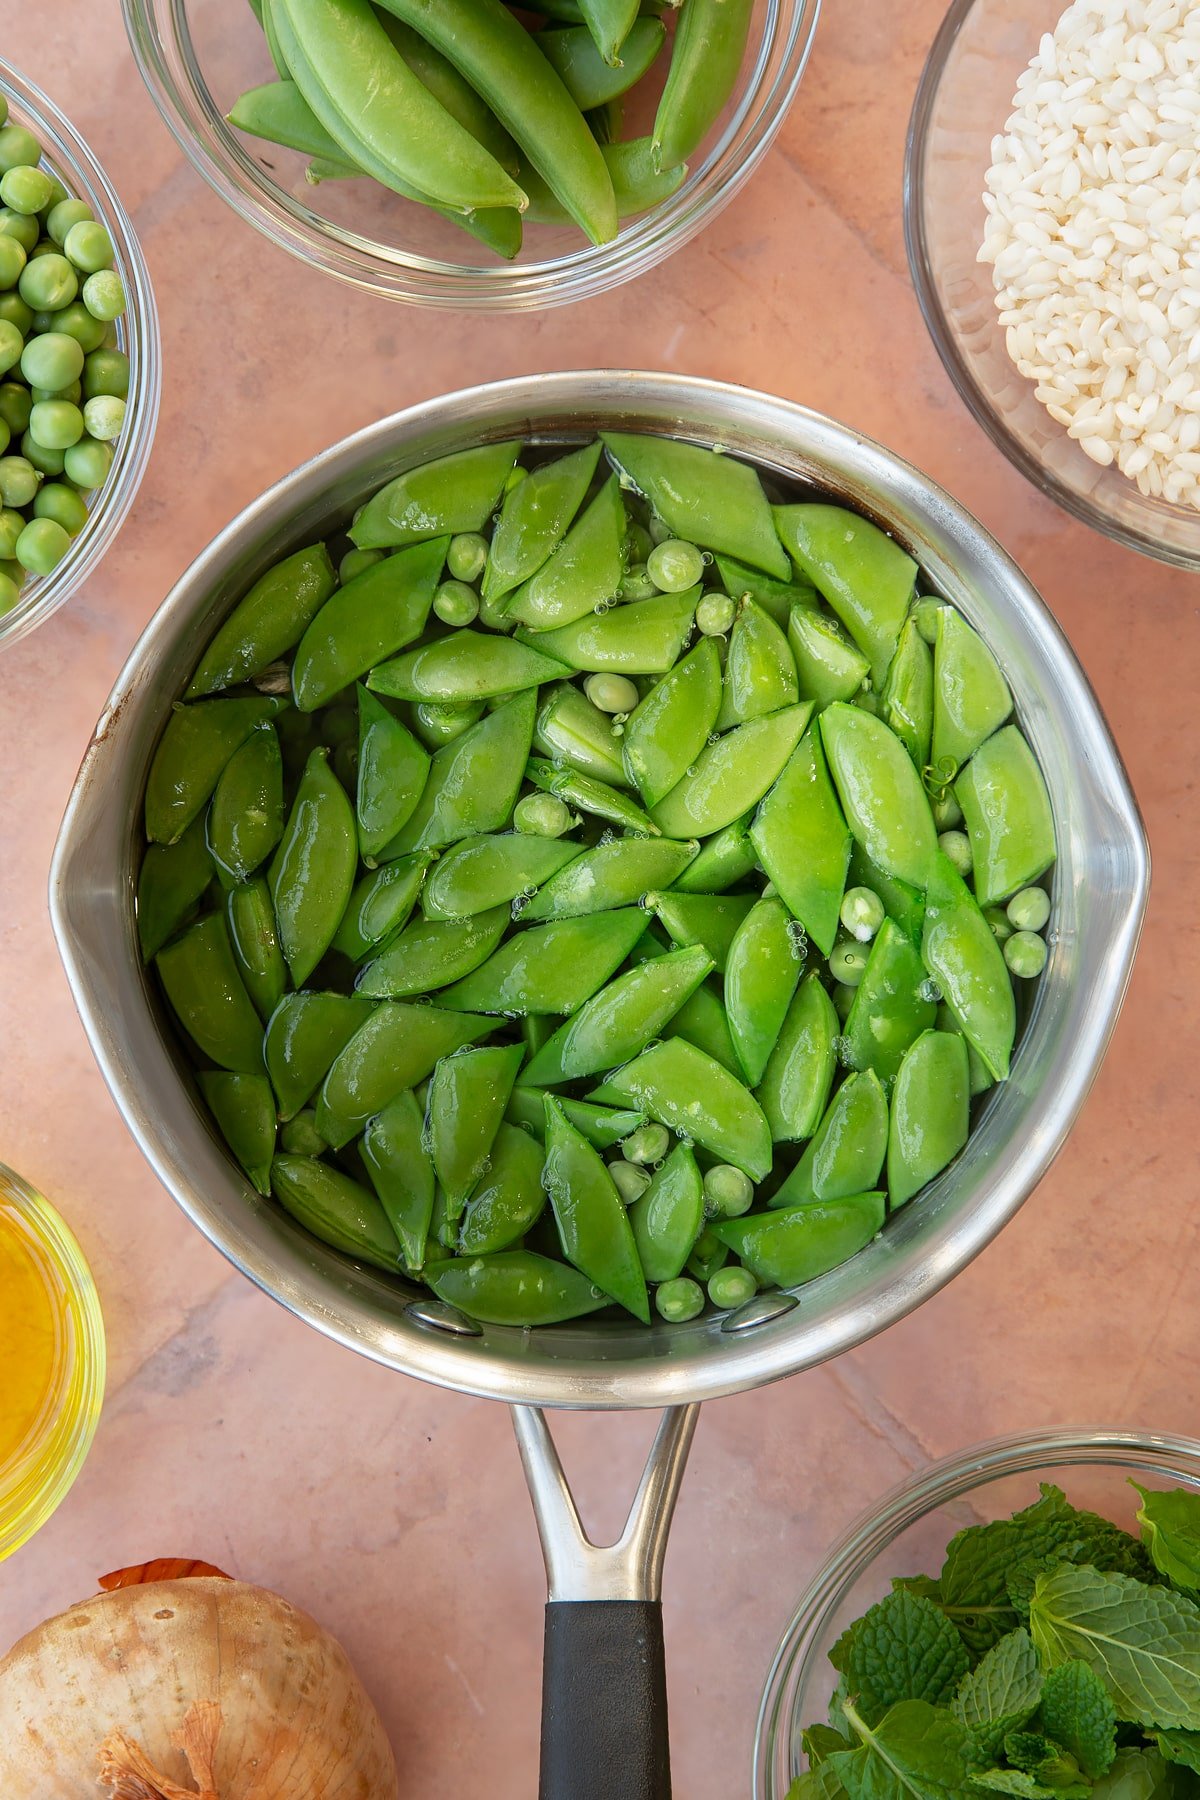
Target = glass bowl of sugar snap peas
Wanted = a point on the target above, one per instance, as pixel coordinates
(509, 157)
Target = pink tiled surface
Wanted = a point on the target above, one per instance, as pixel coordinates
(397, 1514)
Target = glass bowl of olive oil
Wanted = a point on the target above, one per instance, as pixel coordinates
(51, 1360)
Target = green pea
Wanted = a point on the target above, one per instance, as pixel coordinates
(1025, 954)
(87, 463)
(12, 524)
(66, 214)
(48, 282)
(715, 614)
(42, 546)
(45, 460)
(12, 262)
(62, 504)
(104, 294)
(1001, 924)
(648, 1144)
(862, 913)
(57, 192)
(731, 1287)
(15, 405)
(104, 417)
(848, 962)
(14, 310)
(679, 1300)
(87, 244)
(543, 815)
(18, 481)
(106, 372)
(1029, 910)
(674, 566)
(77, 322)
(26, 190)
(52, 361)
(957, 846)
(19, 226)
(12, 345)
(467, 556)
(18, 148)
(10, 592)
(56, 424)
(355, 562)
(455, 603)
(637, 583)
(630, 1180)
(728, 1192)
(638, 542)
(611, 693)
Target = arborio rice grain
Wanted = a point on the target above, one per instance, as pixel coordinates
(1093, 233)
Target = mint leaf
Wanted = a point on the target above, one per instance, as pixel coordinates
(1143, 1642)
(916, 1752)
(1180, 1747)
(903, 1649)
(1077, 1713)
(1012, 1781)
(818, 1784)
(1049, 1765)
(924, 1585)
(820, 1742)
(1135, 1775)
(1022, 1577)
(1170, 1525)
(1001, 1693)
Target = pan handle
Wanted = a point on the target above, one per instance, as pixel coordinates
(604, 1685)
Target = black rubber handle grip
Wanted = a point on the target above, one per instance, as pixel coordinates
(604, 1702)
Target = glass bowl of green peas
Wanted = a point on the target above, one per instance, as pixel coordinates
(220, 75)
(79, 359)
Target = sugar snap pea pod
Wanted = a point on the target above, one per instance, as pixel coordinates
(930, 1115)
(173, 877)
(571, 731)
(637, 184)
(906, 704)
(802, 841)
(199, 740)
(456, 94)
(536, 1030)
(396, 1047)
(508, 1199)
(437, 725)
(273, 50)
(401, 1170)
(500, 59)
(244, 1107)
(710, 47)
(592, 1222)
(710, 920)
(786, 1248)
(776, 598)
(971, 698)
(469, 665)
(590, 796)
(372, 617)
(732, 775)
(358, 83)
(551, 968)
(473, 782)
(688, 1092)
(583, 572)
(668, 1218)
(437, 499)
(762, 970)
(618, 1022)
(278, 112)
(609, 23)
(610, 875)
(669, 729)
(392, 771)
(904, 904)
(959, 949)
(702, 1021)
(431, 953)
(979, 1078)
(271, 618)
(338, 1210)
(380, 905)
(1007, 811)
(829, 667)
(602, 1126)
(794, 1090)
(723, 860)
(891, 1005)
(760, 671)
(209, 998)
(570, 12)
(312, 873)
(863, 573)
(487, 871)
(848, 1148)
(468, 1093)
(300, 1137)
(644, 637)
(254, 939)
(535, 518)
(591, 79)
(704, 496)
(515, 1287)
(882, 796)
(305, 1033)
(708, 1255)
(245, 820)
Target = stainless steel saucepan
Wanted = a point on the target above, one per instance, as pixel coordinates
(604, 1725)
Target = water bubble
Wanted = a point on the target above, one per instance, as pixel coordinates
(691, 769)
(427, 1139)
(706, 557)
(601, 607)
(607, 836)
(930, 991)
(520, 902)
(658, 1163)
(798, 938)
(843, 1050)
(618, 731)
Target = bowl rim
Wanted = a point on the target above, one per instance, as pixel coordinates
(141, 341)
(706, 1363)
(922, 1492)
(404, 276)
(969, 390)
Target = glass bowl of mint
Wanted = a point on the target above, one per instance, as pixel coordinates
(1022, 1619)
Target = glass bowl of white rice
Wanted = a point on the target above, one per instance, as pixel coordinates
(1052, 215)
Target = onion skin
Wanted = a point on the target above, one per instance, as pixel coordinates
(296, 1724)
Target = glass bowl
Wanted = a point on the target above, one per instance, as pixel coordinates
(197, 56)
(53, 1434)
(65, 154)
(907, 1533)
(963, 101)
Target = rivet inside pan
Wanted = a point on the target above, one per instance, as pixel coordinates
(759, 1311)
(440, 1317)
